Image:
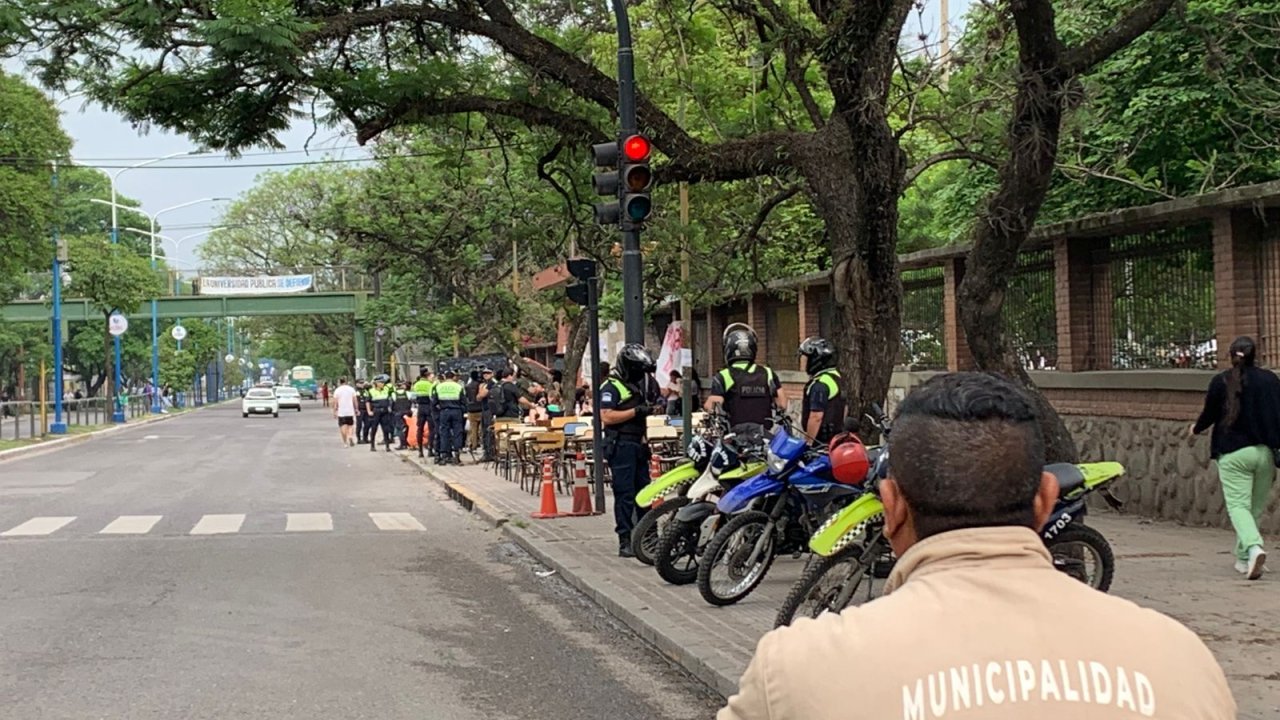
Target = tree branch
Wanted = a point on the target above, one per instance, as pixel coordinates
(1082, 58)
(414, 111)
(946, 156)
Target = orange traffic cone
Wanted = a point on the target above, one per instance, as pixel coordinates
(581, 490)
(549, 509)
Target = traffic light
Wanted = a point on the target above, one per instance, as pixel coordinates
(606, 183)
(637, 178)
(583, 270)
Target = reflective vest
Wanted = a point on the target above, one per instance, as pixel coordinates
(833, 416)
(448, 395)
(380, 397)
(748, 393)
(628, 398)
(422, 390)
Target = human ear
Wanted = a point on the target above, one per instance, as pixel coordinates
(1046, 498)
(898, 524)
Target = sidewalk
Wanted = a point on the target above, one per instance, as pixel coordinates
(1183, 572)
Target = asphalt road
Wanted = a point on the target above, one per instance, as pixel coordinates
(217, 567)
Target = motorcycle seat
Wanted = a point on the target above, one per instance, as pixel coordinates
(1069, 477)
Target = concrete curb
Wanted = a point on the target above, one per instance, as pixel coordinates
(61, 443)
(641, 619)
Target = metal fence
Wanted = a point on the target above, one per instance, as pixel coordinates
(1163, 300)
(922, 320)
(23, 420)
(1029, 313)
(1269, 298)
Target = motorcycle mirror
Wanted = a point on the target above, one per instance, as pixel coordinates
(876, 410)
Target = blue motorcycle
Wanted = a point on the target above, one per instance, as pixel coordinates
(771, 514)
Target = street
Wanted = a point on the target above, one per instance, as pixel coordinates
(211, 566)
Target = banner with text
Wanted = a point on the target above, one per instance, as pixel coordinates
(260, 284)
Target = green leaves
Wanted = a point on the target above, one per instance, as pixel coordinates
(110, 276)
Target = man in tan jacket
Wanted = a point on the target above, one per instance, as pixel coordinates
(976, 623)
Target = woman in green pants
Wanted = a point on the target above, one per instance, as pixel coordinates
(1243, 406)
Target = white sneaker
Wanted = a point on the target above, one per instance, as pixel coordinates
(1257, 562)
(1242, 567)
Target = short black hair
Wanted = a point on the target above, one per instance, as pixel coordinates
(967, 451)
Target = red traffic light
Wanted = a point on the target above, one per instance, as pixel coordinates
(636, 148)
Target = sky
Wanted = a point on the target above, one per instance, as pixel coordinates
(103, 137)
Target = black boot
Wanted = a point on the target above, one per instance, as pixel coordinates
(624, 549)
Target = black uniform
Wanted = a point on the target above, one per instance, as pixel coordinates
(491, 408)
(822, 394)
(748, 390)
(401, 406)
(626, 452)
(364, 421)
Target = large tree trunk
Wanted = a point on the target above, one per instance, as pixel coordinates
(575, 351)
(854, 180)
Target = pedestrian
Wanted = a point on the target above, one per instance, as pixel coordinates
(672, 392)
(822, 409)
(449, 404)
(475, 410)
(379, 408)
(623, 410)
(554, 407)
(748, 392)
(422, 388)
(1243, 407)
(401, 407)
(975, 621)
(512, 398)
(324, 393)
(345, 411)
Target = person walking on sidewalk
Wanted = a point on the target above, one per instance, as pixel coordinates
(345, 410)
(324, 393)
(1243, 407)
(976, 623)
(449, 405)
(623, 410)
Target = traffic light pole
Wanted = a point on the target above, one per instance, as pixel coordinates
(597, 430)
(632, 275)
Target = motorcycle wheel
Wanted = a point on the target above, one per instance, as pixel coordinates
(648, 532)
(830, 584)
(722, 578)
(676, 557)
(1084, 554)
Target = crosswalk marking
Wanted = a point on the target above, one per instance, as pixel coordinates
(308, 522)
(39, 526)
(218, 525)
(395, 521)
(131, 525)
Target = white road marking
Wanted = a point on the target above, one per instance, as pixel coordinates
(396, 521)
(39, 526)
(151, 437)
(131, 525)
(308, 522)
(218, 525)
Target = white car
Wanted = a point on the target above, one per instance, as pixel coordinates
(288, 397)
(260, 401)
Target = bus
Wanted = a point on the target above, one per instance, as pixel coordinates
(303, 378)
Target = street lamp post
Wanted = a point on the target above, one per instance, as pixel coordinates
(59, 426)
(118, 414)
(156, 406)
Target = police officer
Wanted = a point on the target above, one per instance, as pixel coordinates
(748, 392)
(422, 388)
(401, 405)
(449, 404)
(623, 410)
(363, 419)
(490, 405)
(380, 412)
(823, 409)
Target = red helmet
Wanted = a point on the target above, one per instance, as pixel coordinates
(849, 462)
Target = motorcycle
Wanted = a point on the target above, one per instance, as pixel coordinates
(851, 548)
(773, 513)
(668, 493)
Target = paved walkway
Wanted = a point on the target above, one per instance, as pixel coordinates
(1184, 572)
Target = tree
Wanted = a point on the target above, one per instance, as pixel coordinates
(31, 139)
(111, 278)
(234, 76)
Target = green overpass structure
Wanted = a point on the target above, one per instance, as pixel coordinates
(207, 306)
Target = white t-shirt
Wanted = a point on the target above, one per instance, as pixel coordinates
(344, 399)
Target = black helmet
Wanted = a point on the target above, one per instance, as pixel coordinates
(821, 354)
(634, 362)
(739, 344)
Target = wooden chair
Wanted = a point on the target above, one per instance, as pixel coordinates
(536, 447)
(560, 422)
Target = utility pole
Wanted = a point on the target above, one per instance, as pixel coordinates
(59, 426)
